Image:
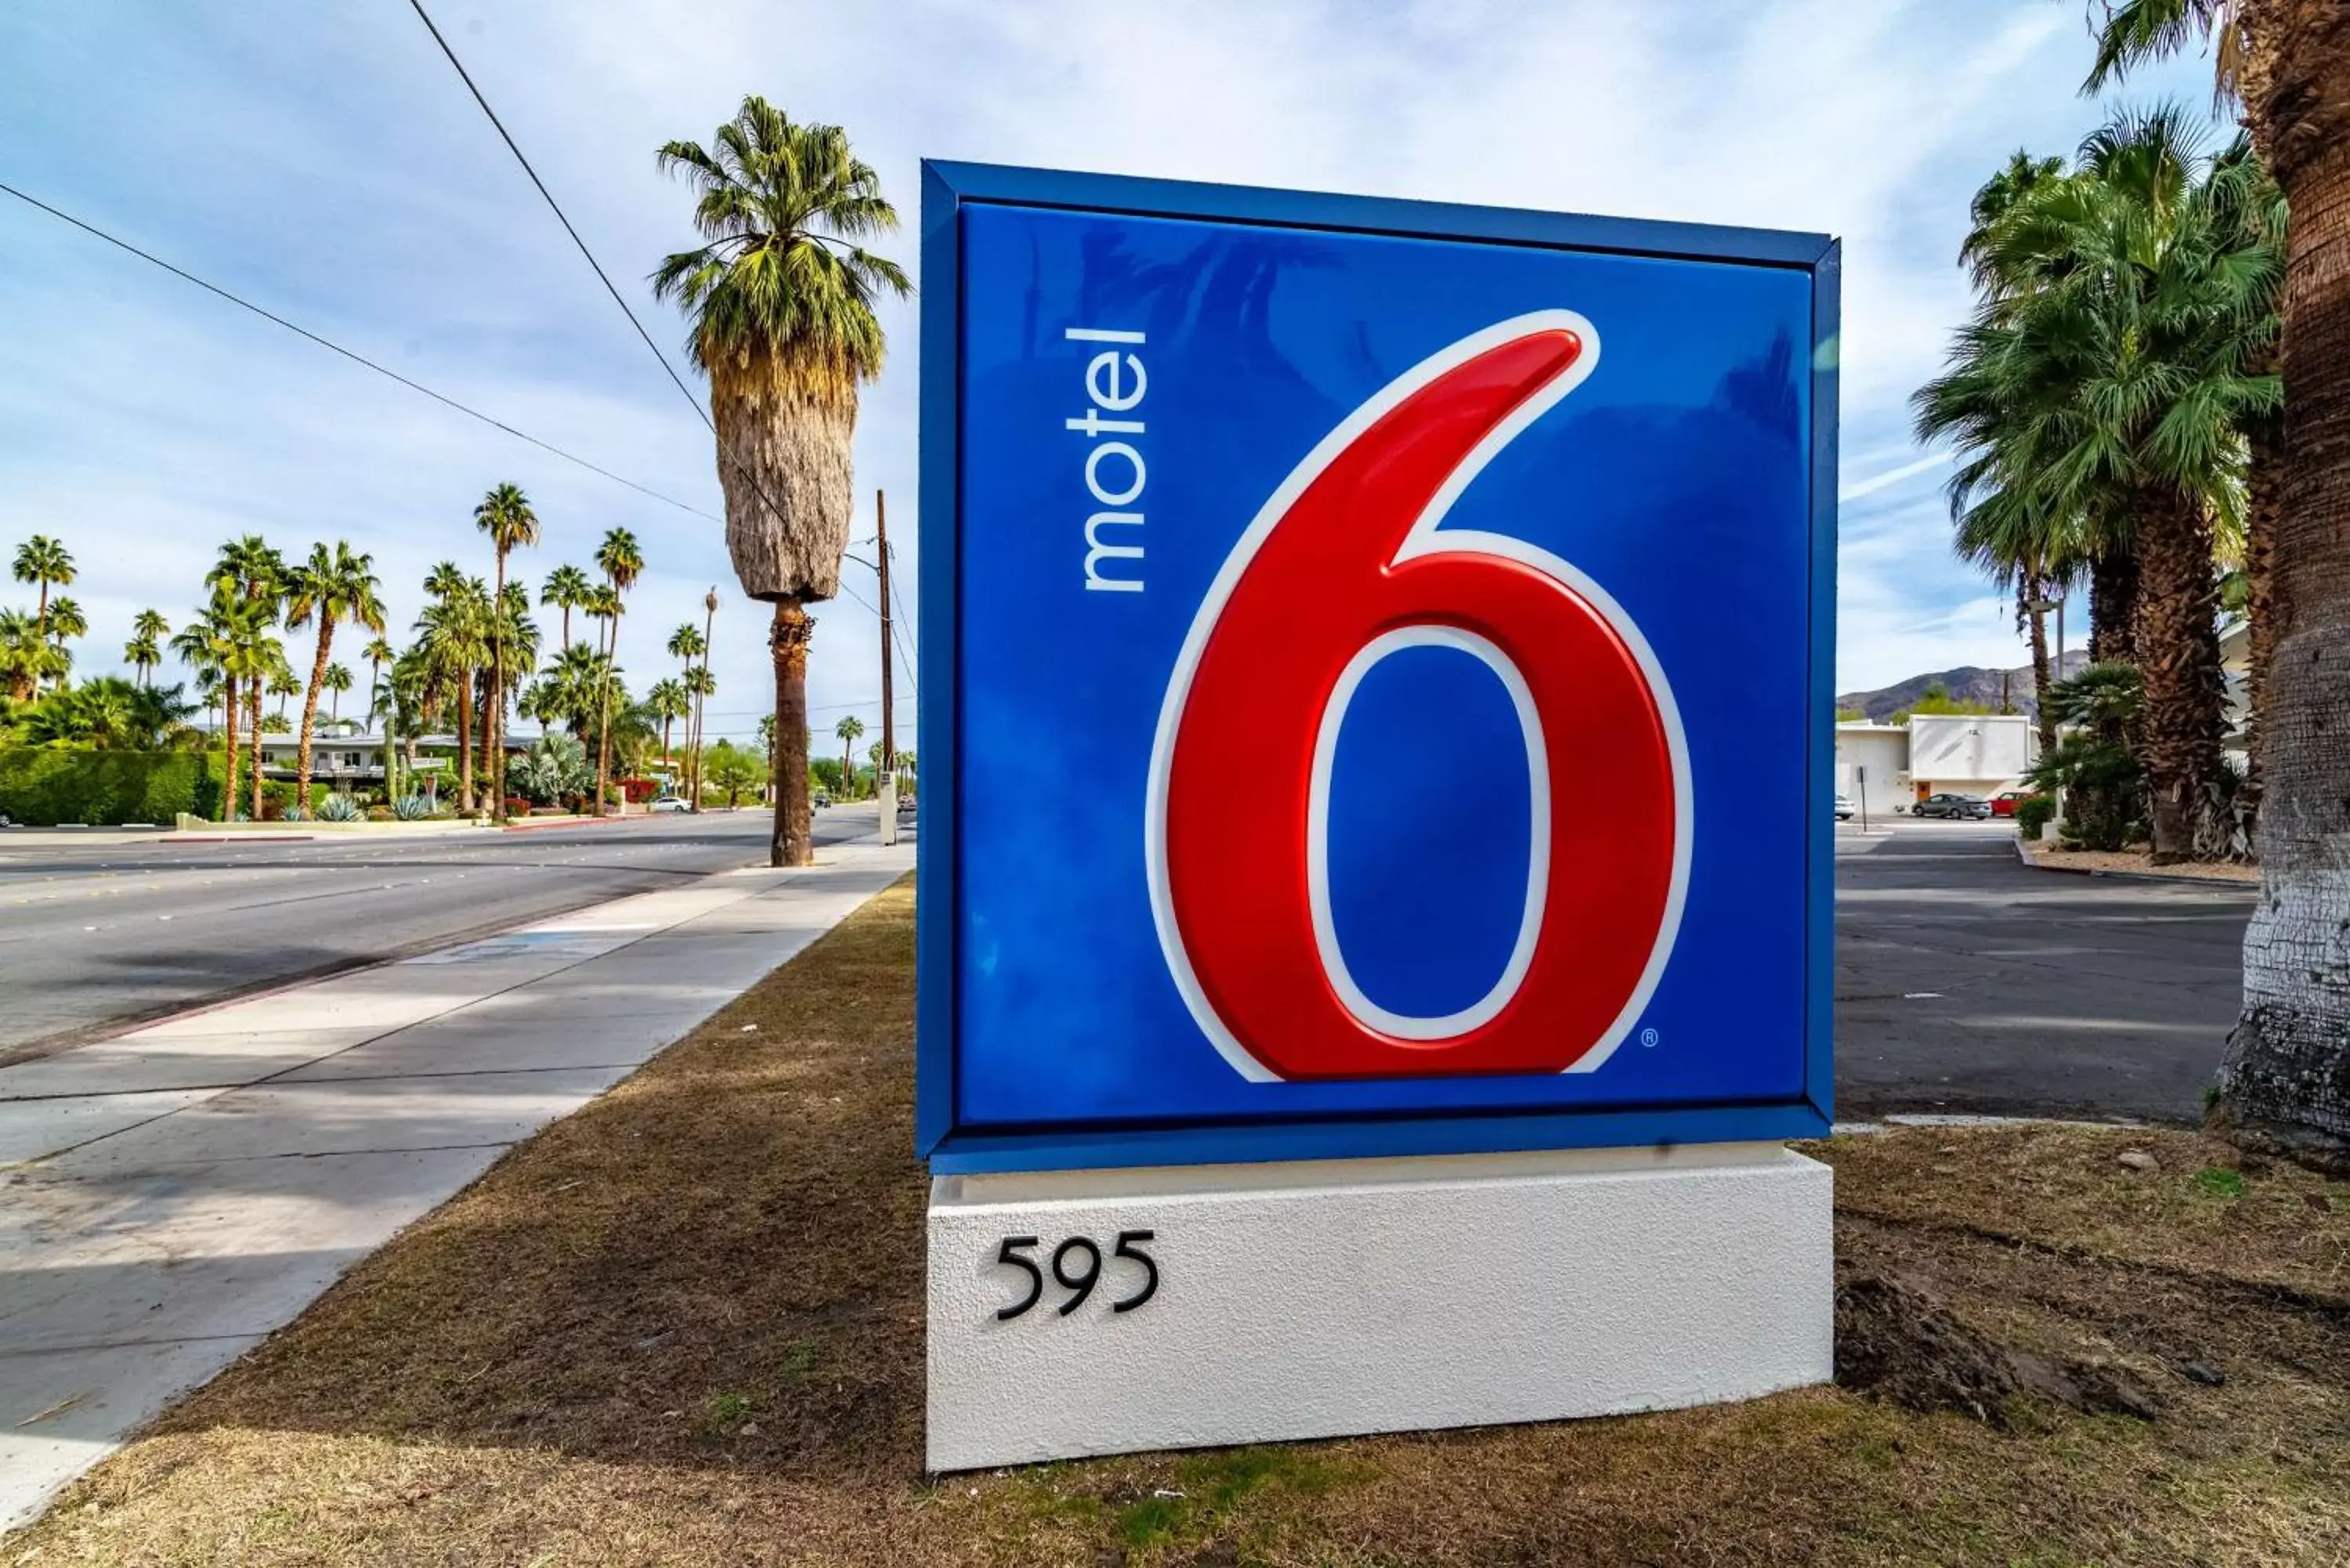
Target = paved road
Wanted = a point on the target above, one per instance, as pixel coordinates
(1969, 982)
(93, 934)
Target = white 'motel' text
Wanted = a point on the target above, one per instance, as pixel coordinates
(1115, 475)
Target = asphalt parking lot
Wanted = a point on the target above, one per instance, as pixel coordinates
(1969, 982)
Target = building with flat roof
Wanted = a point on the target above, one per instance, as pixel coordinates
(1898, 766)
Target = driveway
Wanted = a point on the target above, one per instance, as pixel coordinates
(1966, 982)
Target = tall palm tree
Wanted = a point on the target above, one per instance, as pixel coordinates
(333, 585)
(622, 562)
(505, 515)
(336, 680)
(686, 644)
(452, 637)
(43, 560)
(700, 686)
(781, 300)
(378, 652)
(144, 651)
(849, 730)
(566, 588)
(2287, 1071)
(2113, 389)
(518, 635)
(668, 698)
(250, 568)
(66, 621)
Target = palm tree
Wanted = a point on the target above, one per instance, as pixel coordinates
(849, 730)
(2113, 386)
(504, 515)
(337, 680)
(144, 651)
(518, 635)
(567, 588)
(43, 560)
(331, 587)
(452, 635)
(27, 656)
(378, 652)
(250, 568)
(669, 699)
(700, 686)
(573, 689)
(2286, 1077)
(65, 620)
(686, 644)
(781, 300)
(622, 562)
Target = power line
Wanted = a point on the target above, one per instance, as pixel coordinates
(463, 75)
(355, 357)
(701, 413)
(589, 256)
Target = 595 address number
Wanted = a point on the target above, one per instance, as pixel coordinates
(1079, 1282)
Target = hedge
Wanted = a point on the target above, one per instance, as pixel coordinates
(42, 786)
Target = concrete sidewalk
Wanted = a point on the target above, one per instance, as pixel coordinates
(169, 1197)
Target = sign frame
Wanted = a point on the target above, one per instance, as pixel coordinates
(950, 1149)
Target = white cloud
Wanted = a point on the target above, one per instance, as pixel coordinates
(327, 161)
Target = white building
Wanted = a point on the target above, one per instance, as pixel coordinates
(1964, 753)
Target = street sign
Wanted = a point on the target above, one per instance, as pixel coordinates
(1379, 660)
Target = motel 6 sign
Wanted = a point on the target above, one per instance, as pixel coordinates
(1378, 661)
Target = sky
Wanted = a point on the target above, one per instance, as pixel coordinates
(326, 162)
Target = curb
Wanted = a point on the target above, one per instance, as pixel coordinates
(2024, 855)
(562, 822)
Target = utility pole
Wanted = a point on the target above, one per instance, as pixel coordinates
(885, 781)
(693, 740)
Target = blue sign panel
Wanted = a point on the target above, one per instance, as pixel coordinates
(1379, 676)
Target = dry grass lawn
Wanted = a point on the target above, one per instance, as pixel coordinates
(684, 1326)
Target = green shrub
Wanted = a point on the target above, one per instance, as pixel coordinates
(42, 786)
(2032, 814)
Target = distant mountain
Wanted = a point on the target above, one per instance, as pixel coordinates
(1968, 684)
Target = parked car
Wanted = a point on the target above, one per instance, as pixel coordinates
(1953, 807)
(1843, 808)
(820, 798)
(2005, 803)
(671, 803)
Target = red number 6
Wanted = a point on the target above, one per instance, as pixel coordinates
(1343, 565)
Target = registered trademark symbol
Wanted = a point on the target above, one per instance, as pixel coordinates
(1647, 1037)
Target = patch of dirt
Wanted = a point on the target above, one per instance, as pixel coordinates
(1894, 1341)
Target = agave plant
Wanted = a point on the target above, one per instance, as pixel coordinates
(340, 808)
(411, 808)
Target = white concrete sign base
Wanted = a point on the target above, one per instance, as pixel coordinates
(1327, 1298)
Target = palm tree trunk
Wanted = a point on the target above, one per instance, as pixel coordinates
(228, 733)
(2286, 1076)
(2029, 591)
(603, 716)
(2179, 656)
(497, 713)
(2113, 607)
(465, 746)
(788, 641)
(253, 714)
(310, 707)
(2262, 476)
